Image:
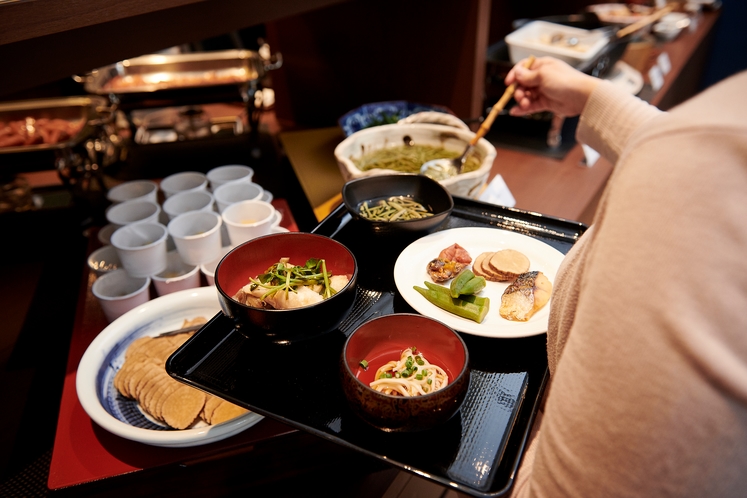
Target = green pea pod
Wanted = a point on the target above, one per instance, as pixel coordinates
(474, 286)
(456, 306)
(460, 281)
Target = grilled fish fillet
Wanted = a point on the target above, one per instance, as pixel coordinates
(525, 296)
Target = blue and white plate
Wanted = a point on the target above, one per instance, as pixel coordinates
(105, 356)
(380, 113)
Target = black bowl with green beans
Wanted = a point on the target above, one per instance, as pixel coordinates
(392, 204)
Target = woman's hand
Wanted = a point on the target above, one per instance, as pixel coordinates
(550, 85)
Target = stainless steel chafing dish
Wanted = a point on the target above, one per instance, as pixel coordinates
(181, 78)
(84, 114)
(89, 145)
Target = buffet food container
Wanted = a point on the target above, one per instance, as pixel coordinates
(541, 38)
(597, 61)
(88, 113)
(180, 77)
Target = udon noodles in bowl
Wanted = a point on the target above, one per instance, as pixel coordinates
(402, 148)
(404, 372)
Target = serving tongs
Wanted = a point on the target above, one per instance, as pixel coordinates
(183, 330)
(441, 169)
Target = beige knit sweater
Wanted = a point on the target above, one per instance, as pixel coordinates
(647, 342)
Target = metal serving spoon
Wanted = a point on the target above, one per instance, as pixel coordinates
(441, 169)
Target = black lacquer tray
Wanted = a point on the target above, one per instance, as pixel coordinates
(476, 452)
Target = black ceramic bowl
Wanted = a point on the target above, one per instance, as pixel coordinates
(255, 256)
(383, 339)
(431, 194)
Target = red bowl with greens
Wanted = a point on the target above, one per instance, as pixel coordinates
(254, 257)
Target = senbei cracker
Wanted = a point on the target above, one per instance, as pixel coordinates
(143, 377)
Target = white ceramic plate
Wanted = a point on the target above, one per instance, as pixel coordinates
(410, 270)
(105, 356)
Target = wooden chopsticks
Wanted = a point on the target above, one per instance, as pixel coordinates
(641, 23)
(498, 106)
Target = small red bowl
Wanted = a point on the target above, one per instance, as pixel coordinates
(255, 256)
(383, 339)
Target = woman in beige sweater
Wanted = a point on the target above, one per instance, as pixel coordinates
(647, 341)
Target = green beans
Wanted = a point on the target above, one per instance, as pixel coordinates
(395, 208)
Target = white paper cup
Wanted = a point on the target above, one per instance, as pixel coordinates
(134, 211)
(229, 173)
(231, 193)
(105, 233)
(141, 248)
(225, 240)
(184, 202)
(208, 269)
(136, 189)
(197, 236)
(247, 220)
(104, 260)
(118, 292)
(267, 196)
(177, 276)
(183, 182)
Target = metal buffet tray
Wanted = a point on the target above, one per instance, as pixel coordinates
(92, 110)
(223, 75)
(477, 452)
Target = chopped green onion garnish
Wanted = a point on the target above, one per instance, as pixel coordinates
(364, 364)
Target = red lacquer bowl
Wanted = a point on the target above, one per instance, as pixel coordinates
(255, 256)
(383, 339)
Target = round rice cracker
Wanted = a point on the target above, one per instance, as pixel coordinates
(211, 403)
(181, 407)
(139, 377)
(151, 398)
(171, 387)
(226, 411)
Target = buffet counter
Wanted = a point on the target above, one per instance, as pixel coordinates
(567, 188)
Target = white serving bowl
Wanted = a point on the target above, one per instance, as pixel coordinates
(451, 138)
